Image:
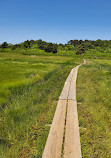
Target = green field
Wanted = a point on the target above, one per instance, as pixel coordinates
(18, 70)
(94, 107)
(30, 88)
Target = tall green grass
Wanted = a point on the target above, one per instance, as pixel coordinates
(94, 107)
(15, 72)
(29, 108)
(17, 69)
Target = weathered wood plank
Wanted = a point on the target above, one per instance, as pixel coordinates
(53, 146)
(65, 90)
(70, 75)
(72, 147)
(72, 90)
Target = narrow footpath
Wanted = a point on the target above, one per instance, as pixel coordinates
(64, 139)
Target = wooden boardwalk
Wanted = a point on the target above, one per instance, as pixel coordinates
(64, 139)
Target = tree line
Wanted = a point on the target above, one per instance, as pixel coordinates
(79, 45)
(46, 46)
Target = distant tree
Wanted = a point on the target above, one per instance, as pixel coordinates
(60, 44)
(41, 44)
(55, 47)
(51, 48)
(81, 49)
(98, 42)
(10, 45)
(69, 47)
(70, 42)
(32, 41)
(73, 42)
(4, 45)
(80, 42)
(27, 44)
(16, 46)
(87, 41)
(88, 45)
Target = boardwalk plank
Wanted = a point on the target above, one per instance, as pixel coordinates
(53, 146)
(66, 88)
(72, 90)
(72, 147)
(65, 91)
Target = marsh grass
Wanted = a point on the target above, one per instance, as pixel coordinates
(18, 70)
(30, 105)
(94, 107)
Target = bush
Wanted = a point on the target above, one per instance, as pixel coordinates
(4, 45)
(51, 48)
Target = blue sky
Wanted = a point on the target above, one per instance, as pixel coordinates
(54, 20)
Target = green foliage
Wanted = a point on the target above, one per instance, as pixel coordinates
(16, 46)
(80, 49)
(98, 53)
(51, 48)
(47, 47)
(94, 108)
(88, 45)
(41, 44)
(27, 44)
(4, 45)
